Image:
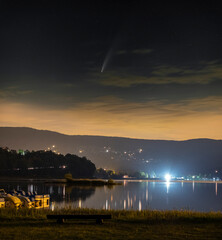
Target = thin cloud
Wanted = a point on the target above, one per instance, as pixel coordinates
(114, 105)
(111, 116)
(121, 52)
(140, 51)
(164, 74)
(14, 91)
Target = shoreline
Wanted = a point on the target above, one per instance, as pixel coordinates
(103, 180)
(171, 181)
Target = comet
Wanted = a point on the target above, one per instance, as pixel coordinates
(107, 59)
(114, 46)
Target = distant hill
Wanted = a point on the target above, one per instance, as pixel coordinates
(153, 156)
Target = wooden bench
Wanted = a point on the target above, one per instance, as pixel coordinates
(61, 218)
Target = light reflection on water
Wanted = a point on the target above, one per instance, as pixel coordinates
(137, 195)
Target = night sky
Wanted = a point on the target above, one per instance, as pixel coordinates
(115, 68)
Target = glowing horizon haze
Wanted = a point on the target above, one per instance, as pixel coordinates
(127, 70)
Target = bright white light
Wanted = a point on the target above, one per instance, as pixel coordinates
(168, 177)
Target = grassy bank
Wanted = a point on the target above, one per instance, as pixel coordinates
(32, 224)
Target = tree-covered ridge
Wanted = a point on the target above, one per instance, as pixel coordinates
(43, 164)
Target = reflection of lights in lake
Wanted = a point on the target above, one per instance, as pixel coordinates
(167, 186)
(51, 190)
(106, 204)
(172, 195)
(30, 188)
(140, 205)
(80, 203)
(124, 204)
(64, 191)
(52, 206)
(147, 193)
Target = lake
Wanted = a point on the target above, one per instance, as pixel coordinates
(136, 195)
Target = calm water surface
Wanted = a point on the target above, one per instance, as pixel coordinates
(137, 195)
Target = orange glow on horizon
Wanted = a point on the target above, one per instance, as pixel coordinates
(91, 119)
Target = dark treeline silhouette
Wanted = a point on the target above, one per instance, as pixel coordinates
(43, 164)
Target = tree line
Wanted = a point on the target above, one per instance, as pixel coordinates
(47, 164)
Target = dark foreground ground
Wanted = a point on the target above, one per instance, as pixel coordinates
(31, 224)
